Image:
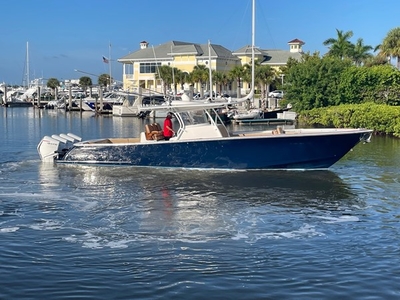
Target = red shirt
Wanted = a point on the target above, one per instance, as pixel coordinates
(167, 132)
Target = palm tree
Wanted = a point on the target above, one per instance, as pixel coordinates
(165, 74)
(200, 75)
(104, 80)
(341, 46)
(181, 77)
(361, 52)
(218, 79)
(391, 45)
(237, 73)
(85, 82)
(264, 76)
(175, 78)
(225, 81)
(53, 83)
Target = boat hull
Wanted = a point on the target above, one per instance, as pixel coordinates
(19, 104)
(313, 151)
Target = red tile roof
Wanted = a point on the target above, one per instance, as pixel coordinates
(296, 41)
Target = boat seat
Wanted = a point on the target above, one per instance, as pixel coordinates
(154, 132)
(278, 130)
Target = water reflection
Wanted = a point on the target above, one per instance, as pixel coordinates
(301, 189)
(128, 204)
(274, 187)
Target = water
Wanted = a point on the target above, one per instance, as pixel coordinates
(137, 233)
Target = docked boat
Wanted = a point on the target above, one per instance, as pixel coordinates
(250, 114)
(203, 141)
(258, 114)
(104, 103)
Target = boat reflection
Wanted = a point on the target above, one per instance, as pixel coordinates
(293, 188)
(195, 205)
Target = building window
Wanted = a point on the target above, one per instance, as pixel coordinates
(149, 67)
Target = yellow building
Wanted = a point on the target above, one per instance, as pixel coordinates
(140, 67)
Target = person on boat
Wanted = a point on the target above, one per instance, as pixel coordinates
(168, 129)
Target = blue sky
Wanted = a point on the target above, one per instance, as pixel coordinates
(75, 34)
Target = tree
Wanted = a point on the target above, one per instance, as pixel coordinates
(200, 75)
(104, 80)
(376, 61)
(379, 84)
(182, 77)
(341, 46)
(391, 45)
(164, 73)
(225, 81)
(314, 81)
(53, 83)
(177, 78)
(361, 52)
(218, 78)
(85, 82)
(237, 73)
(264, 76)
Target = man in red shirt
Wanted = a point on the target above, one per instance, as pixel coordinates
(168, 130)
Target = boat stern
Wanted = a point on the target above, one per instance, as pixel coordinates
(55, 147)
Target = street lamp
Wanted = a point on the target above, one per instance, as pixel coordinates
(282, 75)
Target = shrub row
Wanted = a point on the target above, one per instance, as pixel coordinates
(383, 119)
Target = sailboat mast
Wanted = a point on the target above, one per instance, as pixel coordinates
(173, 74)
(27, 64)
(209, 69)
(253, 29)
(109, 65)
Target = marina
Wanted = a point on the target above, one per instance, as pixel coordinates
(192, 177)
(144, 233)
(202, 140)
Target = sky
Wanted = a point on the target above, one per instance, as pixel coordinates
(67, 39)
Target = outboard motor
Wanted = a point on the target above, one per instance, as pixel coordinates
(75, 137)
(49, 148)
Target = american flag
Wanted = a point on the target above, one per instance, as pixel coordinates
(105, 60)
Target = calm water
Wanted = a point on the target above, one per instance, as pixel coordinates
(71, 232)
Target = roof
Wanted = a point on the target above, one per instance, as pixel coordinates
(279, 57)
(296, 41)
(246, 50)
(271, 56)
(167, 50)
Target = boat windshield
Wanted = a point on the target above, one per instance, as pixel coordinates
(193, 117)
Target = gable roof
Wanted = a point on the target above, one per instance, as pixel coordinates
(296, 41)
(166, 51)
(271, 56)
(246, 50)
(279, 57)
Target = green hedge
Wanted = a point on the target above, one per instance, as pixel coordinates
(383, 119)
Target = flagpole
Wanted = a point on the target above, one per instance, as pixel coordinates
(109, 60)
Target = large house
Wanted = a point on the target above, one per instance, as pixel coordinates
(140, 67)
